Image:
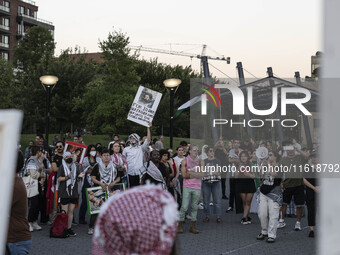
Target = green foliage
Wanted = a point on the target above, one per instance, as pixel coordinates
(33, 56)
(152, 76)
(74, 73)
(97, 96)
(35, 50)
(108, 98)
(7, 86)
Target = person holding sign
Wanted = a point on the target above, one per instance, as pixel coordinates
(134, 156)
(104, 174)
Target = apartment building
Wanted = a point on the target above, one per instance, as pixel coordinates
(16, 17)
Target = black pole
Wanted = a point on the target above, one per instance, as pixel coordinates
(47, 127)
(304, 118)
(247, 113)
(172, 95)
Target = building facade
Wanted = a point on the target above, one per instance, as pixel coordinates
(16, 17)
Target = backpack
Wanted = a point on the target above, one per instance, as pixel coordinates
(59, 226)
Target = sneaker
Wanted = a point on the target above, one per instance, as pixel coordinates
(36, 226)
(261, 236)
(211, 204)
(297, 226)
(248, 220)
(71, 233)
(311, 234)
(229, 209)
(271, 240)
(90, 232)
(200, 206)
(244, 221)
(74, 223)
(31, 227)
(281, 224)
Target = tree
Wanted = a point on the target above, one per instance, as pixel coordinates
(7, 87)
(152, 76)
(108, 99)
(74, 73)
(36, 50)
(32, 58)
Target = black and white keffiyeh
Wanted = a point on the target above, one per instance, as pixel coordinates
(107, 173)
(72, 181)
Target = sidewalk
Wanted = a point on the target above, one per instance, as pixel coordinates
(230, 237)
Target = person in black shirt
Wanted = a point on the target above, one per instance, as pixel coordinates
(222, 155)
(104, 174)
(311, 193)
(57, 160)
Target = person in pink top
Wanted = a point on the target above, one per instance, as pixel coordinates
(191, 188)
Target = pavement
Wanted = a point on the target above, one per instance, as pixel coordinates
(230, 237)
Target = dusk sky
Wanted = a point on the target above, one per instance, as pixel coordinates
(259, 33)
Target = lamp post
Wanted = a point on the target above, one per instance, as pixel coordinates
(48, 81)
(172, 84)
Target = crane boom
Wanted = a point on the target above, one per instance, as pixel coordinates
(179, 53)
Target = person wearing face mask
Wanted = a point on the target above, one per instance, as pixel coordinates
(134, 156)
(89, 162)
(68, 187)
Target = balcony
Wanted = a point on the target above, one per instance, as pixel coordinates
(20, 35)
(29, 2)
(34, 21)
(4, 46)
(4, 29)
(5, 10)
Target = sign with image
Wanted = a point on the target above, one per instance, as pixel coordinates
(144, 106)
(77, 150)
(95, 198)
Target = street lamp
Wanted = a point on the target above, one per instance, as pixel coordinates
(172, 84)
(48, 81)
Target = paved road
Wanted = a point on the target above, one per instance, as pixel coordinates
(228, 238)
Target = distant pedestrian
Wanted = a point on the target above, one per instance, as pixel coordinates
(159, 144)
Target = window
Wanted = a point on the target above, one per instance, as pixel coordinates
(5, 39)
(5, 3)
(4, 55)
(35, 14)
(20, 29)
(21, 10)
(28, 12)
(5, 22)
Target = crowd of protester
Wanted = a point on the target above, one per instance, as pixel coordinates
(139, 161)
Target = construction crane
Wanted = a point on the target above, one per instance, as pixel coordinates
(202, 57)
(204, 66)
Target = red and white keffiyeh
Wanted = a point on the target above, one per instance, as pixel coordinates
(141, 220)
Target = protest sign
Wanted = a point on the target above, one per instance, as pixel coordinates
(144, 106)
(77, 150)
(95, 198)
(10, 128)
